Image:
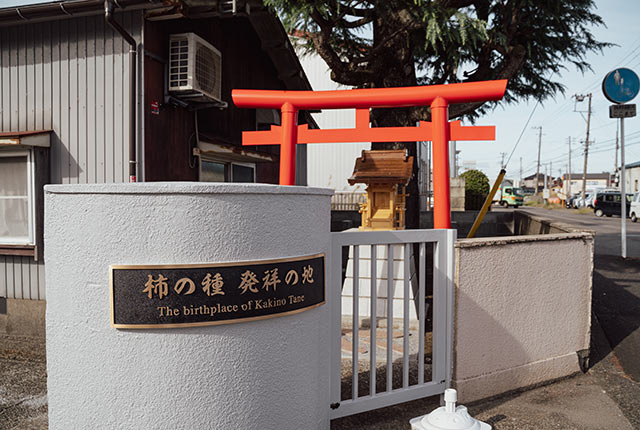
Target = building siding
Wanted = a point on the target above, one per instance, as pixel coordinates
(330, 164)
(70, 76)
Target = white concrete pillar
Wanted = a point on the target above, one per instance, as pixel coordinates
(271, 373)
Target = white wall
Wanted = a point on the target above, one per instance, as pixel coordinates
(330, 164)
(270, 373)
(633, 179)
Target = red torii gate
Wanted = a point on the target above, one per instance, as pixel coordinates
(439, 130)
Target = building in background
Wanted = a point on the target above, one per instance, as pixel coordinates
(329, 165)
(595, 181)
(529, 182)
(65, 104)
(632, 174)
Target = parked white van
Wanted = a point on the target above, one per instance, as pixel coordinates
(634, 210)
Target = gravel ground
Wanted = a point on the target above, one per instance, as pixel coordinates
(23, 383)
(604, 398)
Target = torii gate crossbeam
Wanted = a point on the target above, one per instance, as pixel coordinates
(439, 130)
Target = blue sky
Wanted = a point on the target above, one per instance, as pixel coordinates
(9, 3)
(557, 117)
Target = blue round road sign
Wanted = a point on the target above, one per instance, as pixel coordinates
(621, 85)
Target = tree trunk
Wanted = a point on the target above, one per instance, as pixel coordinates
(397, 62)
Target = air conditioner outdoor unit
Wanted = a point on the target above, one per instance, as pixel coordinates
(195, 68)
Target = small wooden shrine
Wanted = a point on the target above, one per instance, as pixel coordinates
(386, 174)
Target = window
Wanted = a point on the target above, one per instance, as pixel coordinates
(17, 198)
(243, 172)
(211, 171)
(224, 171)
(636, 185)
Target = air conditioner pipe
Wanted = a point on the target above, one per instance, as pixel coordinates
(108, 17)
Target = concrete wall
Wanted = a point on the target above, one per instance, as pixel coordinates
(270, 373)
(22, 317)
(521, 317)
(497, 223)
(457, 194)
(526, 224)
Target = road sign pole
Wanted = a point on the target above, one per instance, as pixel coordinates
(620, 86)
(623, 203)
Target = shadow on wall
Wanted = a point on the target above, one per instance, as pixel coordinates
(527, 224)
(483, 333)
(64, 167)
(524, 225)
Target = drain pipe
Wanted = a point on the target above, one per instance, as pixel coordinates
(133, 46)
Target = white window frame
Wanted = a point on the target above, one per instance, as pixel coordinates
(30, 198)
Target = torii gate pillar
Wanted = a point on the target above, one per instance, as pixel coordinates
(289, 121)
(441, 183)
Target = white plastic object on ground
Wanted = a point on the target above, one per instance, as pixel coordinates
(448, 417)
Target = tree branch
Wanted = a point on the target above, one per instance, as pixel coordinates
(355, 11)
(342, 72)
(454, 4)
(354, 24)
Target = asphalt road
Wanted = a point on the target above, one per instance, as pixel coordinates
(607, 229)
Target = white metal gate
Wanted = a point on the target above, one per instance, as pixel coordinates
(409, 386)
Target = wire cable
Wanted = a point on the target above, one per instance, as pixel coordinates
(520, 137)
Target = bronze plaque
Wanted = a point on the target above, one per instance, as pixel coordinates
(188, 295)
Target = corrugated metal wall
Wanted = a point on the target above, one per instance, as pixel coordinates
(330, 164)
(70, 76)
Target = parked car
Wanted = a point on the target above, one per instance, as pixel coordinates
(572, 201)
(587, 203)
(609, 203)
(634, 210)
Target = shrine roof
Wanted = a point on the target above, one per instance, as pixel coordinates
(382, 167)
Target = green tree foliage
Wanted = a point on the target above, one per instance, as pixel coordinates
(476, 189)
(394, 43)
(387, 43)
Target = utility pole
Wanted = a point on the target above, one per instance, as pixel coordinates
(564, 182)
(538, 165)
(502, 155)
(520, 183)
(580, 97)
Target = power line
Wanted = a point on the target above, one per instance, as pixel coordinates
(521, 133)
